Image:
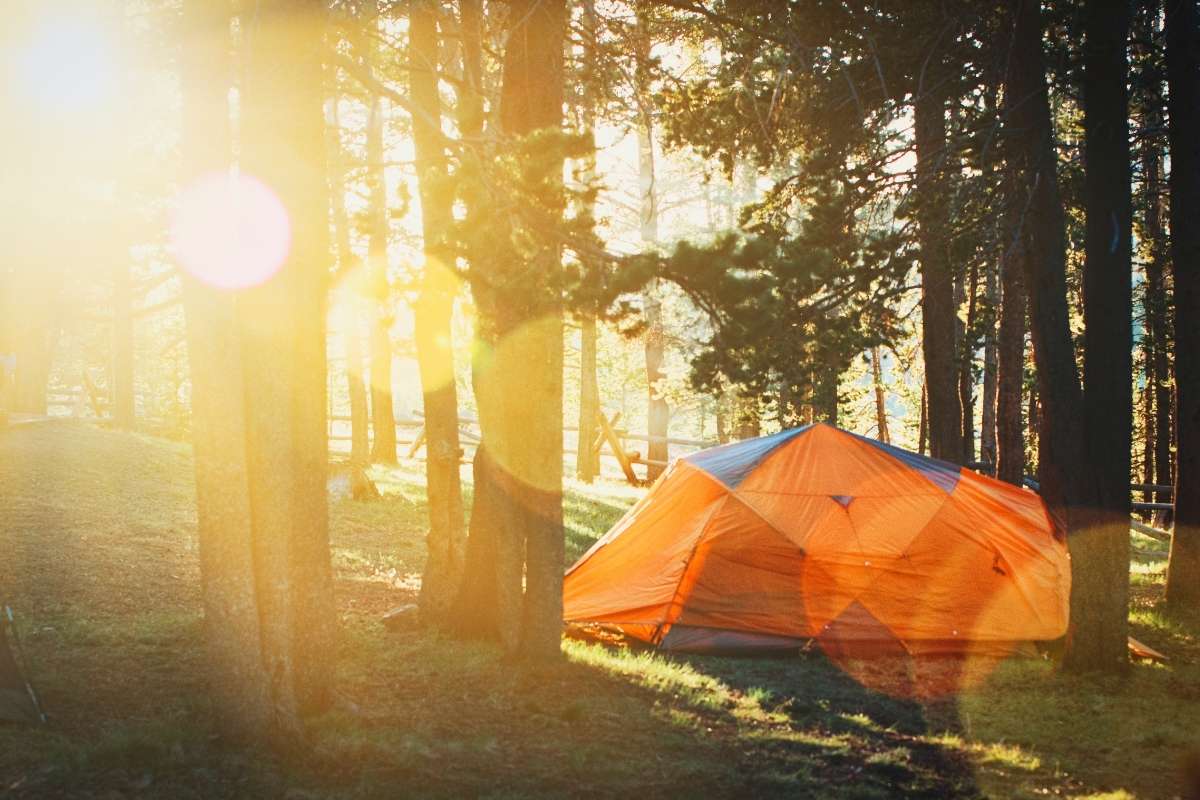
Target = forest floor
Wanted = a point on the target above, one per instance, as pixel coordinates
(98, 556)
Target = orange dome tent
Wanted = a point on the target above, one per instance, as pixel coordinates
(816, 532)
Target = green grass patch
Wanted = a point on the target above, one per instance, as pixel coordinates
(99, 557)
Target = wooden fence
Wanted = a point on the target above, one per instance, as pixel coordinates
(612, 442)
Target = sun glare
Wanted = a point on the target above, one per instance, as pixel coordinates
(65, 64)
(230, 231)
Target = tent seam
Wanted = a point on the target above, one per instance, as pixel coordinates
(668, 619)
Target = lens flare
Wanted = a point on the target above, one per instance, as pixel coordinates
(230, 231)
(65, 64)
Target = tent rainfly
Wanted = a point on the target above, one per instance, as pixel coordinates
(818, 533)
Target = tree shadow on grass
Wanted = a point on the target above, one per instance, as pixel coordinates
(884, 745)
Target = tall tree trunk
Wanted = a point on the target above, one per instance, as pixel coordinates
(434, 309)
(1010, 347)
(1183, 78)
(746, 418)
(34, 342)
(282, 325)
(1148, 97)
(351, 316)
(238, 682)
(587, 463)
(1148, 424)
(1098, 624)
(519, 386)
(966, 367)
(987, 424)
(824, 378)
(1157, 303)
(722, 418)
(937, 277)
(587, 457)
(1101, 555)
(122, 348)
(658, 413)
(923, 426)
(383, 413)
(881, 421)
(1034, 420)
(1157, 327)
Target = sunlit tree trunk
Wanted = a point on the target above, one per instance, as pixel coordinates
(519, 385)
(1158, 371)
(587, 457)
(34, 337)
(1033, 422)
(881, 421)
(658, 413)
(923, 425)
(122, 347)
(351, 305)
(1157, 335)
(722, 414)
(746, 417)
(434, 310)
(282, 324)
(1183, 77)
(476, 612)
(587, 462)
(383, 414)
(261, 448)
(238, 682)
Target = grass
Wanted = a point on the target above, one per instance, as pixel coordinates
(98, 555)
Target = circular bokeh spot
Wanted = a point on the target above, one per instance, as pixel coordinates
(230, 231)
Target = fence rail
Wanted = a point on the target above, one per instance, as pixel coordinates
(612, 442)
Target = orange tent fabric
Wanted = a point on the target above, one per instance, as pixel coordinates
(816, 532)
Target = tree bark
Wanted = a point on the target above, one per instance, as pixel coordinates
(1097, 640)
(923, 426)
(434, 310)
(1101, 556)
(1158, 397)
(587, 457)
(1010, 347)
(1183, 78)
(747, 421)
(282, 325)
(123, 415)
(881, 421)
(1034, 421)
(987, 424)
(587, 463)
(34, 341)
(1151, 236)
(937, 278)
(383, 413)
(519, 385)
(351, 316)
(722, 414)
(658, 413)
(966, 367)
(237, 681)
(1157, 328)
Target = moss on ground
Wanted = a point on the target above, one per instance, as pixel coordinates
(98, 554)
